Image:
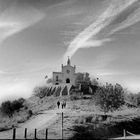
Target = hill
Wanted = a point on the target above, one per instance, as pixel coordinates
(82, 118)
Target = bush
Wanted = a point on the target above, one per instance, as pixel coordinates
(6, 108)
(21, 100)
(25, 107)
(16, 105)
(30, 113)
(138, 99)
(89, 119)
(132, 99)
(109, 97)
(85, 89)
(41, 91)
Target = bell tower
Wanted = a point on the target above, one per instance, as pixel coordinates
(68, 62)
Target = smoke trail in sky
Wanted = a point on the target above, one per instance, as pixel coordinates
(89, 36)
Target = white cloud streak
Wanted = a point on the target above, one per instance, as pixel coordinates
(89, 36)
(14, 20)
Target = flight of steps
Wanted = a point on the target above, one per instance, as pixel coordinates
(59, 90)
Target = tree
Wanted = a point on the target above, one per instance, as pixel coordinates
(87, 78)
(50, 80)
(21, 100)
(6, 108)
(131, 98)
(79, 78)
(83, 82)
(41, 91)
(109, 97)
(138, 99)
(17, 104)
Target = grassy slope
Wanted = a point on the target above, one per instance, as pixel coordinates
(80, 117)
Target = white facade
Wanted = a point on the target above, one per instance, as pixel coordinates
(66, 76)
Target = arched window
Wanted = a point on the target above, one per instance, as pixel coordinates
(56, 77)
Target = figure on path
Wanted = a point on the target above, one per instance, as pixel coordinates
(58, 104)
(64, 103)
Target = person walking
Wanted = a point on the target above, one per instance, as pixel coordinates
(58, 104)
(64, 104)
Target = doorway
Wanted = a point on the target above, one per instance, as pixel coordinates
(67, 80)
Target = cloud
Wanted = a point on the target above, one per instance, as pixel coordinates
(89, 36)
(15, 19)
(2, 72)
(12, 87)
(127, 18)
(10, 90)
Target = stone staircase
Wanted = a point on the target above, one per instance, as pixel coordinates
(59, 90)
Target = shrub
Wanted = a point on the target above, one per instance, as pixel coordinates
(85, 89)
(50, 80)
(21, 100)
(6, 108)
(134, 99)
(40, 91)
(89, 119)
(26, 107)
(131, 98)
(30, 113)
(109, 97)
(16, 105)
(138, 99)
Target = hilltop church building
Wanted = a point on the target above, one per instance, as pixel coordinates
(66, 76)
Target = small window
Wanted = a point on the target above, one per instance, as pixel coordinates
(57, 78)
(68, 71)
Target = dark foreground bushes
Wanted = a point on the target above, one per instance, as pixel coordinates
(106, 130)
(9, 107)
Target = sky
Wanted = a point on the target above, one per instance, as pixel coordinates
(101, 37)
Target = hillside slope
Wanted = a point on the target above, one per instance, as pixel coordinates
(80, 117)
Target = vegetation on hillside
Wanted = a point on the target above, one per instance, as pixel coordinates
(133, 99)
(41, 91)
(87, 96)
(109, 97)
(13, 112)
(97, 127)
(10, 107)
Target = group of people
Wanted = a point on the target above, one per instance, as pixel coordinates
(63, 104)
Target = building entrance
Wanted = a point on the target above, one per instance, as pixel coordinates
(67, 80)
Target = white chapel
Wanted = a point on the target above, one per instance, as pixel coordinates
(66, 76)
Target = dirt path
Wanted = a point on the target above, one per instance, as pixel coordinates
(40, 121)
